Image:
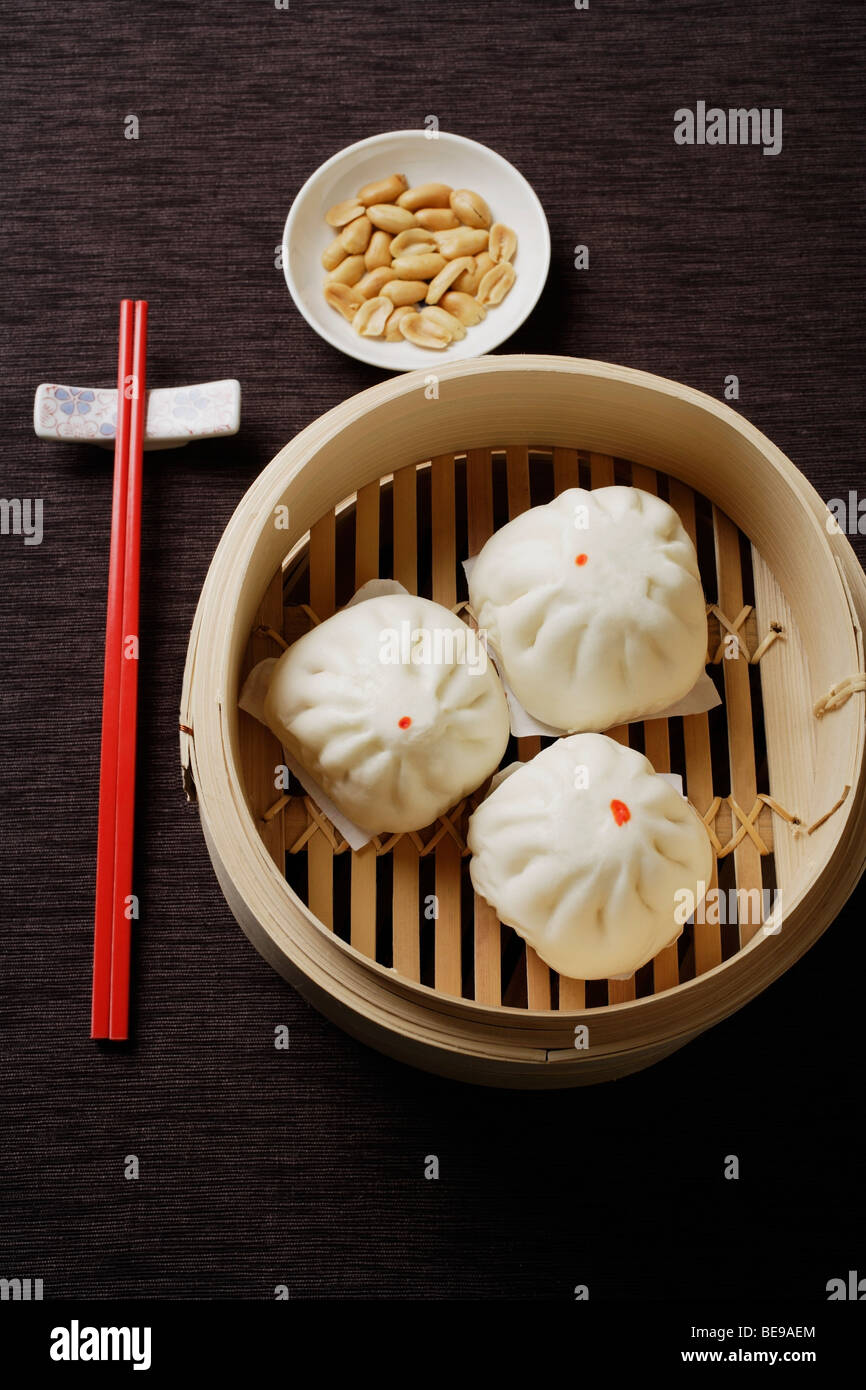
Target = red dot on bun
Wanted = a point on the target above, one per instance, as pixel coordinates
(620, 812)
(404, 722)
(581, 559)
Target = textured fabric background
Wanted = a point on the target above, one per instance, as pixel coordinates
(305, 1168)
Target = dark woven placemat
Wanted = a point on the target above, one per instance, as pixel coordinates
(306, 1168)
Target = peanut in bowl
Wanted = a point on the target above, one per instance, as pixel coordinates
(329, 280)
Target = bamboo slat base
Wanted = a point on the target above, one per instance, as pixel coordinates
(469, 953)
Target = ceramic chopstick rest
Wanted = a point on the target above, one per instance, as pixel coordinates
(175, 415)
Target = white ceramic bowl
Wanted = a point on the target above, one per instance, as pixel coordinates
(446, 159)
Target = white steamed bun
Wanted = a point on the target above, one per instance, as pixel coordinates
(393, 708)
(582, 851)
(594, 605)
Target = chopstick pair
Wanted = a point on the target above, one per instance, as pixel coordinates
(114, 852)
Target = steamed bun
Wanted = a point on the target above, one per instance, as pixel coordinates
(594, 605)
(393, 708)
(582, 851)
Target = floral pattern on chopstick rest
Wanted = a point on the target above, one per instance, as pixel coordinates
(175, 414)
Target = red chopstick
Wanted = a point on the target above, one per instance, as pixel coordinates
(102, 927)
(128, 708)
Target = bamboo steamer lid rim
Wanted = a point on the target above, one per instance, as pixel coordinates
(275, 919)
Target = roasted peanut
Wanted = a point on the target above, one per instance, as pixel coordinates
(383, 190)
(425, 195)
(333, 254)
(496, 284)
(345, 299)
(344, 212)
(371, 284)
(503, 242)
(470, 207)
(379, 251)
(431, 313)
(418, 264)
(468, 282)
(355, 236)
(418, 267)
(462, 241)
(445, 278)
(405, 291)
(391, 218)
(392, 327)
(348, 272)
(423, 333)
(372, 316)
(415, 240)
(464, 307)
(436, 219)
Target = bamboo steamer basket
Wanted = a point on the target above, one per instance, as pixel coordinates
(392, 482)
